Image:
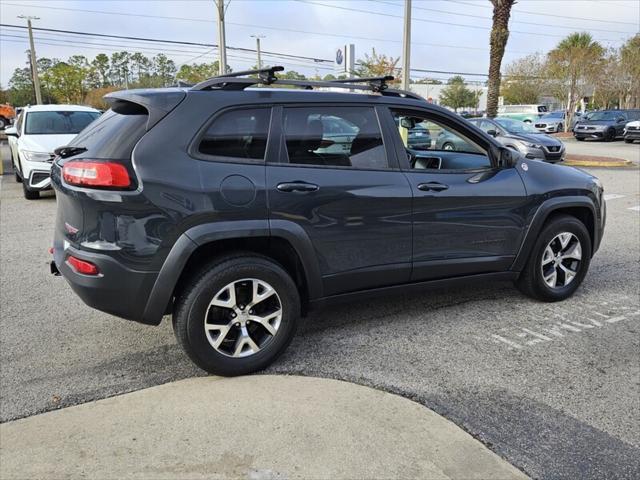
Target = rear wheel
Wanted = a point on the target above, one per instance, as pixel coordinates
(559, 260)
(238, 315)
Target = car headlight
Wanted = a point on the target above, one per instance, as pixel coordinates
(532, 145)
(36, 156)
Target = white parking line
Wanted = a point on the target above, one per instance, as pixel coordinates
(612, 196)
(635, 209)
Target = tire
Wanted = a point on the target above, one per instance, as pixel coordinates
(532, 282)
(610, 135)
(3, 123)
(560, 128)
(448, 146)
(527, 121)
(29, 194)
(628, 140)
(580, 139)
(194, 309)
(18, 177)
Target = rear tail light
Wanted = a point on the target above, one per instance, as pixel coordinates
(96, 174)
(82, 266)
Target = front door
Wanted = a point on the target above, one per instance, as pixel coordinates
(467, 213)
(336, 176)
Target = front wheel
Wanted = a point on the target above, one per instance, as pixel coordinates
(29, 194)
(238, 315)
(628, 140)
(610, 135)
(558, 261)
(560, 128)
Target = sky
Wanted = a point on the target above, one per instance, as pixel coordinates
(447, 36)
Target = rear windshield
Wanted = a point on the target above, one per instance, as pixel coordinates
(113, 135)
(58, 123)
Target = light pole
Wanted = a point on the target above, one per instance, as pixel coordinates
(258, 37)
(222, 42)
(406, 46)
(34, 66)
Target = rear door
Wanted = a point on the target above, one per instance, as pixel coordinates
(467, 213)
(335, 175)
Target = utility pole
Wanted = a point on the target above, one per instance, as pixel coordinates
(34, 66)
(258, 37)
(222, 42)
(406, 46)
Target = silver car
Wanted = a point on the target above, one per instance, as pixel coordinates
(554, 122)
(522, 137)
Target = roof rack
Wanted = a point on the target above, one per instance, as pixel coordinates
(266, 76)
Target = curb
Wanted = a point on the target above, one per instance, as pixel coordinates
(619, 163)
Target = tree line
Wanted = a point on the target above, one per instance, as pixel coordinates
(577, 67)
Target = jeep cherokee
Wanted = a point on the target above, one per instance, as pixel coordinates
(228, 206)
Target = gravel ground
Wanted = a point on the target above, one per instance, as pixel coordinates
(553, 388)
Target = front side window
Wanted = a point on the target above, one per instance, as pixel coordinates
(516, 126)
(439, 146)
(334, 137)
(58, 123)
(240, 134)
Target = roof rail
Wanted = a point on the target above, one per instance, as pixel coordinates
(266, 76)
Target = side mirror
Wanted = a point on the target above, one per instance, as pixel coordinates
(508, 158)
(408, 123)
(493, 133)
(11, 132)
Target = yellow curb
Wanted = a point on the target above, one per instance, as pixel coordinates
(596, 163)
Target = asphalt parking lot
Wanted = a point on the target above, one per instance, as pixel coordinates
(553, 388)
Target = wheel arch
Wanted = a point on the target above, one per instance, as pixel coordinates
(581, 208)
(283, 243)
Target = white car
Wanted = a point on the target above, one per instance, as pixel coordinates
(632, 131)
(38, 131)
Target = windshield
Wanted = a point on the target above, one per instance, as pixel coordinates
(515, 126)
(553, 115)
(603, 115)
(58, 123)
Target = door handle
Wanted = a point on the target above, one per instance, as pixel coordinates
(297, 187)
(432, 187)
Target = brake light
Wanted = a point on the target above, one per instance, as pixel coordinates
(82, 266)
(96, 174)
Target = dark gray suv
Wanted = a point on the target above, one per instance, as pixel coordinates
(228, 206)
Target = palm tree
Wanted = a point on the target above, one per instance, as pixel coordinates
(577, 60)
(499, 37)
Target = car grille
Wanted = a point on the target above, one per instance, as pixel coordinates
(633, 128)
(584, 127)
(540, 125)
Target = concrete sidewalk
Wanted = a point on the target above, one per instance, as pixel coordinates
(258, 427)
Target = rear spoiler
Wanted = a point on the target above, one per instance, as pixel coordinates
(156, 103)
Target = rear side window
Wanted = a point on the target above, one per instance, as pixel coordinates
(113, 135)
(334, 137)
(239, 134)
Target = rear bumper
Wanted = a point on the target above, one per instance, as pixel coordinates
(116, 290)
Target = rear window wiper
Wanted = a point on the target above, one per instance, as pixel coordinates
(65, 152)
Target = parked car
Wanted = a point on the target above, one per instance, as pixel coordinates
(522, 137)
(554, 122)
(7, 114)
(524, 113)
(216, 205)
(604, 125)
(632, 131)
(38, 131)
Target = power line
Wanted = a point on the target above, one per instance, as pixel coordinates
(175, 42)
(246, 25)
(460, 14)
(432, 21)
(529, 12)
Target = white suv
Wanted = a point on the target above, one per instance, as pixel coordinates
(38, 131)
